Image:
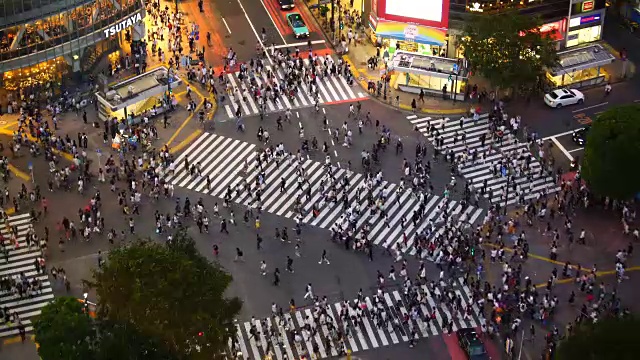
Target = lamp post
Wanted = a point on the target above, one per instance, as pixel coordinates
(333, 19)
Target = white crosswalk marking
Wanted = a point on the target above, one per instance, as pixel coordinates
(21, 261)
(369, 332)
(332, 89)
(221, 160)
(491, 155)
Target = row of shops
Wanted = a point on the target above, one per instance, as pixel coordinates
(405, 41)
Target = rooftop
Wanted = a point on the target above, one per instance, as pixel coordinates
(138, 88)
(425, 63)
(584, 57)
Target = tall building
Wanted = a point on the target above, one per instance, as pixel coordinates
(583, 19)
(46, 43)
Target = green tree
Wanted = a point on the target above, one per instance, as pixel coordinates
(609, 338)
(171, 293)
(611, 165)
(64, 331)
(508, 49)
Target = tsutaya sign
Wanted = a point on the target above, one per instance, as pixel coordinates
(126, 23)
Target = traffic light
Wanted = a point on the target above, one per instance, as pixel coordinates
(200, 333)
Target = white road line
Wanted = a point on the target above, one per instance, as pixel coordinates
(636, 100)
(590, 107)
(560, 134)
(314, 42)
(564, 151)
(254, 31)
(574, 150)
(226, 25)
(272, 21)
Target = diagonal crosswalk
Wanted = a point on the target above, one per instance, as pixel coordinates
(20, 264)
(332, 89)
(385, 320)
(223, 160)
(486, 168)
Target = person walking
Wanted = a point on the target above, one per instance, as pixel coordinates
(323, 258)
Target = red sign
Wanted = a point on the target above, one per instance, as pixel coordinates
(553, 30)
(442, 21)
(588, 5)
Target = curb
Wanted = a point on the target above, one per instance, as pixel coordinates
(363, 84)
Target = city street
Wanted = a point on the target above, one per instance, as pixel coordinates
(352, 202)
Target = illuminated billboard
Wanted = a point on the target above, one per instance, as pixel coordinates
(434, 13)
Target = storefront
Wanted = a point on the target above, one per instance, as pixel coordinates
(581, 67)
(394, 26)
(436, 76)
(585, 22)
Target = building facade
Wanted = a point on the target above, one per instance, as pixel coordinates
(582, 19)
(44, 43)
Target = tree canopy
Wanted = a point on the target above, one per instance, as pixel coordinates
(609, 338)
(155, 301)
(611, 165)
(508, 49)
(64, 331)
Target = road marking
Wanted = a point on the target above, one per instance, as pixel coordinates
(300, 124)
(574, 150)
(411, 117)
(636, 100)
(335, 153)
(560, 134)
(564, 151)
(274, 22)
(324, 111)
(314, 42)
(226, 25)
(591, 107)
(297, 114)
(254, 30)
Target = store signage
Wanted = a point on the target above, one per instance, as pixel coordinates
(583, 20)
(410, 32)
(475, 7)
(588, 5)
(126, 23)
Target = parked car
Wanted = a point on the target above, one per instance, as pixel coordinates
(563, 97)
(580, 136)
(300, 29)
(286, 4)
(471, 344)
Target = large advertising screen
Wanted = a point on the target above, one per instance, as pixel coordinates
(433, 13)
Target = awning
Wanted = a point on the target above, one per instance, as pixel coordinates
(410, 32)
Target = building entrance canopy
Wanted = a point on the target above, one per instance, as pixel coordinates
(427, 65)
(587, 57)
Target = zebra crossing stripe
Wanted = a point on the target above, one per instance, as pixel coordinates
(333, 89)
(21, 260)
(483, 169)
(222, 159)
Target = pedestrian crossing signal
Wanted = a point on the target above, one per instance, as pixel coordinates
(341, 25)
(450, 77)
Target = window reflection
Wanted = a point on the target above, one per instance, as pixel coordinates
(59, 28)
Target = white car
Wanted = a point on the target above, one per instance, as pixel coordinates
(563, 97)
